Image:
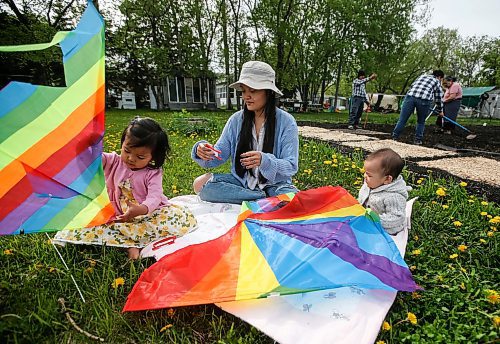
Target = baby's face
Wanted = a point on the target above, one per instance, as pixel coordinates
(374, 175)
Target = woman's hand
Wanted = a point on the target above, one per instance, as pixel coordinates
(204, 152)
(251, 159)
(132, 211)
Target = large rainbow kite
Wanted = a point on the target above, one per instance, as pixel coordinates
(51, 140)
(321, 239)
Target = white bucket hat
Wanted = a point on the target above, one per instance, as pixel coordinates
(257, 75)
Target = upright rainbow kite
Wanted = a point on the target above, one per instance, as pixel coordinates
(322, 239)
(51, 140)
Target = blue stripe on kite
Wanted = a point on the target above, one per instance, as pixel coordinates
(287, 258)
(366, 231)
(91, 24)
(52, 208)
(14, 94)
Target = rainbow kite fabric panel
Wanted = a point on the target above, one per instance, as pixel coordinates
(321, 239)
(51, 140)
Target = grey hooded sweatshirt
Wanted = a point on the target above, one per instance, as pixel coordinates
(389, 202)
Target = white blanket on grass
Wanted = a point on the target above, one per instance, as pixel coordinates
(340, 315)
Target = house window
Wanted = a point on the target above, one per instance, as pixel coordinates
(211, 90)
(197, 90)
(177, 90)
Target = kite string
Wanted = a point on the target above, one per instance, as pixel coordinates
(66, 266)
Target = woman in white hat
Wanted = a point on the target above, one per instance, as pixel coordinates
(261, 140)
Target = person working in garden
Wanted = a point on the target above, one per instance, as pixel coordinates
(384, 190)
(358, 98)
(261, 140)
(452, 100)
(424, 90)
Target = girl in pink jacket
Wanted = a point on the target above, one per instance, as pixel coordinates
(134, 183)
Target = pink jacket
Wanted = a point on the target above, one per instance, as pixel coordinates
(146, 183)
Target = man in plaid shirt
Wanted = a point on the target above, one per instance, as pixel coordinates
(358, 98)
(423, 92)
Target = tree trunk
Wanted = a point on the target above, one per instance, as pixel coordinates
(337, 79)
(229, 106)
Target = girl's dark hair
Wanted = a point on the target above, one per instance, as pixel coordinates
(245, 141)
(146, 132)
(450, 78)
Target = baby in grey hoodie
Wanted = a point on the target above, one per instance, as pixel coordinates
(384, 190)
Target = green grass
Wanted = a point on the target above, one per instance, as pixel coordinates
(459, 304)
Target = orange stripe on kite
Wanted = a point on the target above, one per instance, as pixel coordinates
(104, 215)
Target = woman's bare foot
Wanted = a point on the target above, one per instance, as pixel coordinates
(133, 253)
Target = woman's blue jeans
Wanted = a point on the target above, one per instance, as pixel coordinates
(411, 103)
(225, 188)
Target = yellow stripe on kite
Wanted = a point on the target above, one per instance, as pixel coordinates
(255, 275)
(353, 210)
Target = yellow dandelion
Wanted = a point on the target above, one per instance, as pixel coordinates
(327, 162)
(445, 206)
(416, 252)
(494, 229)
(415, 295)
(470, 201)
(439, 278)
(412, 318)
(462, 248)
(440, 192)
(482, 241)
(490, 234)
(462, 286)
(413, 268)
(380, 342)
(453, 256)
(484, 203)
(496, 321)
(415, 237)
(483, 213)
(89, 270)
(492, 296)
(434, 202)
(457, 223)
(166, 327)
(420, 181)
(52, 269)
(386, 326)
(463, 184)
(118, 282)
(8, 252)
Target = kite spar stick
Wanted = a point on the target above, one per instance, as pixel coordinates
(66, 266)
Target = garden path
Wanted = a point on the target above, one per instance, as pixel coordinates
(480, 169)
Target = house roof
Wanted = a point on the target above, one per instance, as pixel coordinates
(476, 91)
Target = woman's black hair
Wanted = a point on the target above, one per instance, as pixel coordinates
(450, 78)
(146, 132)
(245, 141)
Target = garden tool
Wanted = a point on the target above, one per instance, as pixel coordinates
(471, 135)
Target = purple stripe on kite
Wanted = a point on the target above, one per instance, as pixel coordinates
(340, 240)
(78, 165)
(17, 216)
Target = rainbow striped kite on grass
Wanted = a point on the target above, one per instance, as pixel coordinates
(321, 239)
(51, 140)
